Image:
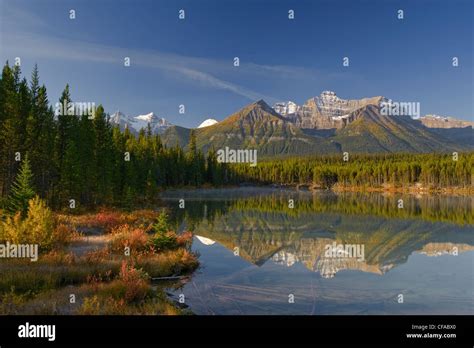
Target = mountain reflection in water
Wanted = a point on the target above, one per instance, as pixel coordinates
(256, 251)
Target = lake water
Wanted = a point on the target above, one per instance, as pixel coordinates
(274, 251)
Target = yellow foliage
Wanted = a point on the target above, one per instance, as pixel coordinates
(36, 228)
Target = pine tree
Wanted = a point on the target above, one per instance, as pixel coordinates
(40, 133)
(64, 124)
(34, 84)
(85, 137)
(10, 125)
(22, 189)
(46, 166)
(161, 225)
(194, 159)
(70, 174)
(102, 152)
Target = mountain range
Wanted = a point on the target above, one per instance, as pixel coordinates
(326, 111)
(157, 124)
(325, 124)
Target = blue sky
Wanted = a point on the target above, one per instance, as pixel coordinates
(190, 61)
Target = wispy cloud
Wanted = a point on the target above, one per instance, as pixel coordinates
(190, 68)
(12, 15)
(27, 40)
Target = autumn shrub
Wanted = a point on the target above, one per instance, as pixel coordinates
(127, 236)
(11, 302)
(14, 230)
(114, 306)
(90, 306)
(185, 239)
(37, 228)
(64, 234)
(143, 215)
(137, 239)
(135, 282)
(58, 258)
(106, 220)
(97, 256)
(141, 218)
(169, 263)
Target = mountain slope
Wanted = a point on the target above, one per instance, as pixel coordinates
(176, 135)
(458, 131)
(464, 137)
(373, 132)
(258, 126)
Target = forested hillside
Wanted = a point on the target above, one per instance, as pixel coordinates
(429, 170)
(85, 158)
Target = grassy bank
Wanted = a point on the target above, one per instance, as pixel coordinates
(95, 263)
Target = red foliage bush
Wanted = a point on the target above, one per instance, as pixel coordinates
(136, 283)
(184, 239)
(106, 220)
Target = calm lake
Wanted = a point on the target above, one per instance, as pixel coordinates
(276, 251)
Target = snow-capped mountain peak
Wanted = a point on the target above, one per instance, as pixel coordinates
(147, 117)
(207, 123)
(117, 117)
(157, 124)
(286, 108)
(437, 121)
(325, 111)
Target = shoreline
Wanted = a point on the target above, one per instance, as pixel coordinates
(411, 189)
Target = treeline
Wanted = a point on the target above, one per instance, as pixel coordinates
(434, 208)
(88, 160)
(85, 158)
(455, 209)
(429, 170)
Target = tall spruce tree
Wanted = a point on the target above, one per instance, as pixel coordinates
(103, 156)
(12, 101)
(22, 189)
